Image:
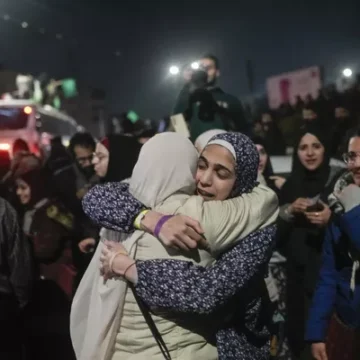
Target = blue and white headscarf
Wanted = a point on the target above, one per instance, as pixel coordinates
(246, 158)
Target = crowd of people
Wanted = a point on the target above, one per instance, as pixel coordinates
(154, 246)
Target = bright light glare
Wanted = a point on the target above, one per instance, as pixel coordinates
(5, 147)
(27, 110)
(347, 72)
(195, 65)
(174, 70)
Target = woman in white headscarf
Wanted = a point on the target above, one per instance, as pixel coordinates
(105, 318)
(202, 140)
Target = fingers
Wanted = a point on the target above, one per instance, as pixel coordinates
(323, 355)
(194, 236)
(179, 244)
(194, 224)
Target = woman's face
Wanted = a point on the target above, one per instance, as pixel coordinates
(101, 160)
(23, 191)
(215, 176)
(310, 152)
(263, 157)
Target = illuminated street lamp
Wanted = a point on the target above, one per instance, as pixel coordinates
(195, 65)
(347, 72)
(174, 70)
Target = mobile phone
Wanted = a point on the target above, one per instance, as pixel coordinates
(317, 207)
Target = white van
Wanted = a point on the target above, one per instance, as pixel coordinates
(24, 119)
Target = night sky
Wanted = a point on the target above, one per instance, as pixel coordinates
(151, 35)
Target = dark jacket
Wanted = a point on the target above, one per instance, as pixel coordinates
(16, 270)
(211, 108)
(333, 293)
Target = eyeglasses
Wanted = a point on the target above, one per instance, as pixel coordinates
(82, 160)
(351, 156)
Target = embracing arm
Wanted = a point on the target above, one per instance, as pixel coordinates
(226, 222)
(186, 287)
(112, 206)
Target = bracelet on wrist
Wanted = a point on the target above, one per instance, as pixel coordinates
(139, 218)
(160, 224)
(112, 258)
(127, 269)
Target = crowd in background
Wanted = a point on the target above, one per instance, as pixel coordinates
(47, 195)
(335, 111)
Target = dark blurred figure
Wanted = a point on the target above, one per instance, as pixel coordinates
(299, 104)
(145, 130)
(130, 124)
(285, 110)
(274, 139)
(344, 121)
(50, 229)
(16, 281)
(59, 166)
(308, 99)
(310, 113)
(257, 130)
(5, 165)
(82, 148)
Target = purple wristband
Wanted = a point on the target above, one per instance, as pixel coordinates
(160, 224)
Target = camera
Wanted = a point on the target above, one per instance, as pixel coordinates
(199, 77)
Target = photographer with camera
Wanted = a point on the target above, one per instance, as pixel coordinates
(206, 106)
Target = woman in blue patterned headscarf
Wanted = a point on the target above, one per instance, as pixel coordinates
(232, 288)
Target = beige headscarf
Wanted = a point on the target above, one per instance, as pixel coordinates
(202, 140)
(166, 166)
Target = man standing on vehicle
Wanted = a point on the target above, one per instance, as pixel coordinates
(205, 105)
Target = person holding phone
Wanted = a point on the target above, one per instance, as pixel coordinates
(304, 215)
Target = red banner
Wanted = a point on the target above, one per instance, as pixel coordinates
(286, 87)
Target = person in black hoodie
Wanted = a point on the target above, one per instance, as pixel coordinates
(304, 215)
(274, 139)
(266, 172)
(114, 159)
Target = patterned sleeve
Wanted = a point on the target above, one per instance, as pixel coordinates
(185, 287)
(111, 206)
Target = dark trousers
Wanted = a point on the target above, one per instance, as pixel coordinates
(47, 324)
(10, 328)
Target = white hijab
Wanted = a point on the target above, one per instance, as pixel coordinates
(166, 166)
(202, 140)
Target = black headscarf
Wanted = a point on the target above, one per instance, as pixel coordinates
(123, 155)
(302, 182)
(268, 170)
